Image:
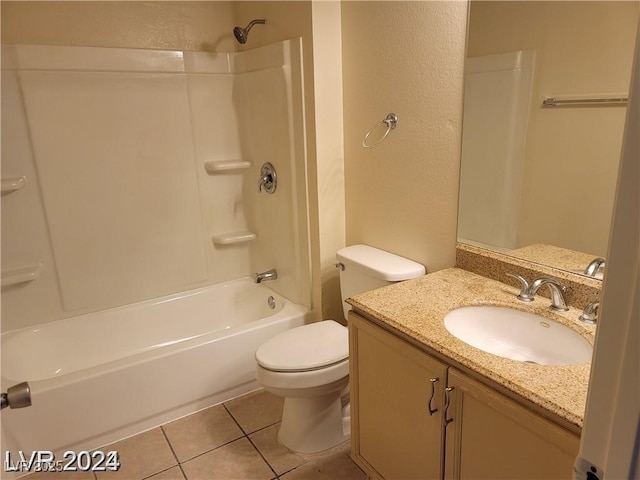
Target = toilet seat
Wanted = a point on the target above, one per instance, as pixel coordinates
(290, 351)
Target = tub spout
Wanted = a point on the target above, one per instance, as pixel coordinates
(268, 275)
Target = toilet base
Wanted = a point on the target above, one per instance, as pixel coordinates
(312, 424)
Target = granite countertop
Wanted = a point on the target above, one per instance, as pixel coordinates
(561, 258)
(417, 309)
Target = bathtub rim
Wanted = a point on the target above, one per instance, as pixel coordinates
(41, 385)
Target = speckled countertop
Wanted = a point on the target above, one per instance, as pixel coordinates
(561, 258)
(417, 309)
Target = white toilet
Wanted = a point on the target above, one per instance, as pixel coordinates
(309, 365)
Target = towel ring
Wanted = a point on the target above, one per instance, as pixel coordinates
(391, 121)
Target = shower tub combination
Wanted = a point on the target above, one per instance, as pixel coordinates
(101, 377)
(106, 353)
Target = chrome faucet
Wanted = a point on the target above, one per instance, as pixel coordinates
(557, 292)
(528, 291)
(594, 266)
(590, 313)
(268, 275)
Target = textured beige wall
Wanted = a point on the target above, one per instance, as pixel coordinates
(406, 58)
(572, 154)
(159, 25)
(327, 52)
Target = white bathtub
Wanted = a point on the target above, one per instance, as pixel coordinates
(100, 377)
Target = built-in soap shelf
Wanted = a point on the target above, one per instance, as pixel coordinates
(21, 275)
(217, 167)
(233, 238)
(11, 184)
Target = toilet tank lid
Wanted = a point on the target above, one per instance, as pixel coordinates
(308, 347)
(380, 264)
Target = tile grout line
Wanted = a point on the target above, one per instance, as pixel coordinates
(172, 451)
(265, 427)
(263, 458)
(234, 419)
(211, 450)
(251, 441)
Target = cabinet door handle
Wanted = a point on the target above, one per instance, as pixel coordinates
(447, 402)
(433, 392)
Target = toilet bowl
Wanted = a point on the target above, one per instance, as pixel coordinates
(309, 365)
(313, 382)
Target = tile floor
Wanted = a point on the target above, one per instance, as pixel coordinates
(236, 440)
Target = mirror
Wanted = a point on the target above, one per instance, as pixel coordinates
(538, 182)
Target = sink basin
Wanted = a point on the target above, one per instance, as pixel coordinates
(518, 335)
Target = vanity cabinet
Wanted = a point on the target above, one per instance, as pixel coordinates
(488, 435)
(395, 435)
(406, 426)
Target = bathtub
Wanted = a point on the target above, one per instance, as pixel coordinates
(101, 377)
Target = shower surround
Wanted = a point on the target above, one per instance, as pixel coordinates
(131, 175)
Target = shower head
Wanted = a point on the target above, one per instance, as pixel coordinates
(241, 34)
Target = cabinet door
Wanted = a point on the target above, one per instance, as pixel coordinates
(394, 435)
(493, 437)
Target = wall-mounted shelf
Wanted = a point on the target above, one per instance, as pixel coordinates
(21, 275)
(11, 184)
(215, 167)
(233, 238)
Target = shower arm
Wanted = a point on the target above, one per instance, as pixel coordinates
(259, 21)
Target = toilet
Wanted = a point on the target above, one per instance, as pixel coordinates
(309, 365)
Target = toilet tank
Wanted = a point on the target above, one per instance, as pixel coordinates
(365, 268)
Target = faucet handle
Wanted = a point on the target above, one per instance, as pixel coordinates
(524, 294)
(590, 313)
(268, 179)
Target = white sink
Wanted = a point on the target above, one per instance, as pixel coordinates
(518, 335)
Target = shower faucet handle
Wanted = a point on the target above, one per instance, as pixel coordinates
(268, 180)
(590, 313)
